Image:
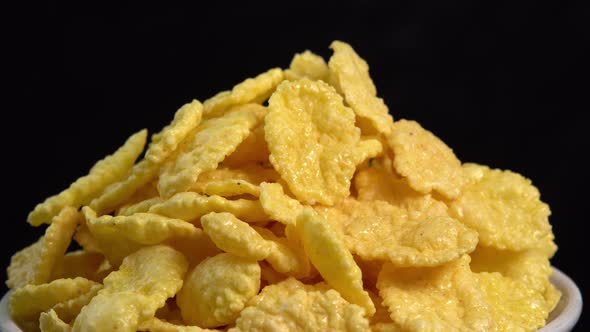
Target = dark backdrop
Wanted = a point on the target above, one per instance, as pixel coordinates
(502, 84)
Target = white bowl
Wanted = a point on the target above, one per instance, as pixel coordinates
(562, 319)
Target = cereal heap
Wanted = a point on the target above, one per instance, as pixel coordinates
(293, 202)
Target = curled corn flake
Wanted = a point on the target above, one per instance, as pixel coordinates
(79, 263)
(505, 209)
(132, 294)
(86, 240)
(251, 172)
(309, 65)
(368, 148)
(328, 253)
(377, 230)
(293, 306)
(235, 236)
(350, 74)
(117, 193)
(278, 205)
(103, 173)
(312, 140)
(158, 325)
(28, 302)
(34, 264)
(191, 206)
(217, 289)
(119, 236)
(50, 322)
(253, 150)
(512, 304)
(443, 298)
(165, 142)
(142, 206)
(425, 161)
(268, 275)
(68, 310)
(252, 90)
(213, 140)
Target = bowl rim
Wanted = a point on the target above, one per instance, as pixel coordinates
(562, 319)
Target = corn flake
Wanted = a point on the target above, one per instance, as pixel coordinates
(50, 322)
(79, 263)
(252, 90)
(278, 205)
(165, 142)
(28, 302)
(213, 140)
(217, 289)
(68, 310)
(34, 264)
(139, 207)
(350, 74)
(103, 173)
(253, 150)
(328, 253)
(309, 65)
(158, 325)
(293, 306)
(443, 298)
(312, 140)
(505, 209)
(132, 294)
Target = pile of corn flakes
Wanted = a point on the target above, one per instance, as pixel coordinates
(293, 202)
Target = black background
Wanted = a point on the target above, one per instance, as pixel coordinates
(502, 84)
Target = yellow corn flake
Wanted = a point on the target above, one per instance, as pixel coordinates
(443, 298)
(206, 148)
(268, 275)
(327, 252)
(231, 187)
(285, 257)
(79, 263)
(512, 304)
(312, 140)
(132, 294)
(252, 90)
(28, 302)
(529, 266)
(278, 205)
(350, 74)
(119, 236)
(552, 296)
(158, 325)
(217, 289)
(293, 306)
(68, 310)
(85, 239)
(309, 65)
(425, 161)
(191, 206)
(50, 322)
(251, 172)
(505, 209)
(139, 207)
(377, 230)
(253, 150)
(103, 173)
(378, 184)
(165, 142)
(34, 264)
(232, 235)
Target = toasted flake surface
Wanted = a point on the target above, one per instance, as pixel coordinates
(133, 293)
(158, 325)
(350, 74)
(293, 306)
(50, 322)
(35, 263)
(328, 253)
(103, 173)
(252, 90)
(278, 205)
(443, 298)
(505, 209)
(68, 310)
(425, 161)
(312, 140)
(377, 230)
(217, 289)
(213, 140)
